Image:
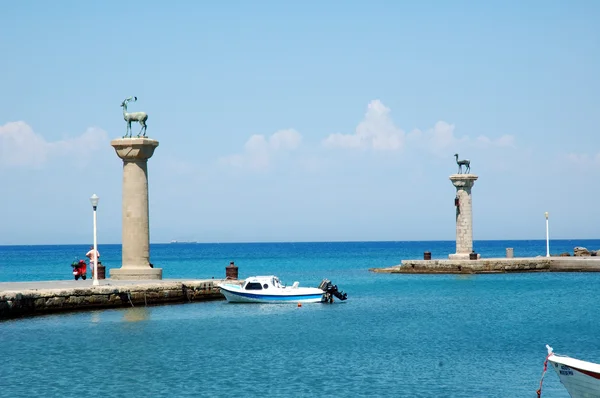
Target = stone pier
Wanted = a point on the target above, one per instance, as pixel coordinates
(135, 153)
(464, 215)
(494, 266)
(20, 299)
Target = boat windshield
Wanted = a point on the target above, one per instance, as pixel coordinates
(253, 286)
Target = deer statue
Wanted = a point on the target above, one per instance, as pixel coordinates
(139, 117)
(462, 163)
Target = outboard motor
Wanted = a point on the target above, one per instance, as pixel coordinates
(331, 290)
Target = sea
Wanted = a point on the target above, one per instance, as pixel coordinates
(395, 336)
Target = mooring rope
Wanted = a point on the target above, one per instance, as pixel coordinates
(539, 391)
(129, 297)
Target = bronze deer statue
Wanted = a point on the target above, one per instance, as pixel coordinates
(139, 117)
(461, 163)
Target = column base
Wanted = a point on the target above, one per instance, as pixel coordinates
(125, 273)
(462, 256)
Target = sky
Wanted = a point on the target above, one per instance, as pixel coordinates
(301, 121)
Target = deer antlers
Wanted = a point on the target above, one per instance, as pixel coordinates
(126, 100)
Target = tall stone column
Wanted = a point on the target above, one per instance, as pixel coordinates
(135, 153)
(464, 215)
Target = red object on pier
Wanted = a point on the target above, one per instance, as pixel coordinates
(79, 269)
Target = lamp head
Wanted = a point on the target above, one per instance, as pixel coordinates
(94, 200)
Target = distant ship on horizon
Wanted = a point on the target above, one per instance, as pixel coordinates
(182, 242)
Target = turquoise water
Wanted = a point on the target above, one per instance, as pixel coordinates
(396, 335)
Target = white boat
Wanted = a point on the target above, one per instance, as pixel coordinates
(269, 289)
(580, 378)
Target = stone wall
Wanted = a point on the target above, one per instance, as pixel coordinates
(474, 266)
(42, 301)
(494, 265)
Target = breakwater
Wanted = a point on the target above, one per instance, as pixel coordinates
(494, 265)
(18, 299)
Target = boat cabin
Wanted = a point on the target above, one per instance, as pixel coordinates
(262, 283)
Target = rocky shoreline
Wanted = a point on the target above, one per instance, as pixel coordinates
(579, 252)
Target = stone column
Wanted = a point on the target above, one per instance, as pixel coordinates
(464, 215)
(135, 153)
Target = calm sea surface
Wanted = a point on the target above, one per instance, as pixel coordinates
(396, 335)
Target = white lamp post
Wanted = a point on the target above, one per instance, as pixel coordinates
(547, 237)
(94, 201)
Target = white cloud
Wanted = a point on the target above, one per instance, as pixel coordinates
(584, 160)
(441, 139)
(285, 140)
(259, 150)
(504, 141)
(21, 146)
(437, 140)
(376, 131)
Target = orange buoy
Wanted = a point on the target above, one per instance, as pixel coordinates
(299, 304)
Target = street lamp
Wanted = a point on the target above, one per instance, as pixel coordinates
(547, 237)
(94, 201)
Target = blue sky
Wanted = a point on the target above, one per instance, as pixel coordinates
(301, 121)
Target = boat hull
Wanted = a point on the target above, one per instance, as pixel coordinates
(579, 378)
(234, 294)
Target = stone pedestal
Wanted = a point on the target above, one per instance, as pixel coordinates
(464, 215)
(231, 271)
(135, 153)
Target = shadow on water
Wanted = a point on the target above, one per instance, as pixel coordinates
(136, 314)
(465, 277)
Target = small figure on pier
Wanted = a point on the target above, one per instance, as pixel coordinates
(93, 258)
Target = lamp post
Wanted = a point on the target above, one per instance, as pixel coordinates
(547, 237)
(94, 201)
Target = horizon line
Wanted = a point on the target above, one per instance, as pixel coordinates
(299, 241)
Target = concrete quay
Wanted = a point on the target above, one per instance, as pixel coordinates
(19, 299)
(494, 266)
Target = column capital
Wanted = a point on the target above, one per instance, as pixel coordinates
(463, 180)
(134, 149)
